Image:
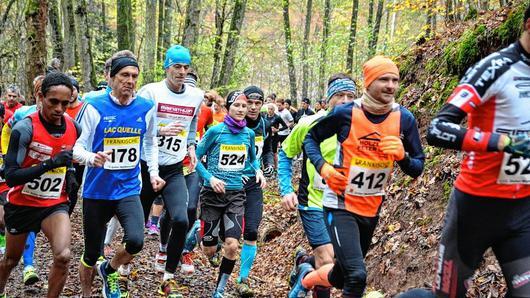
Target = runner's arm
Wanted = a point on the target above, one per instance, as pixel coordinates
(280, 122)
(88, 118)
(267, 155)
(6, 134)
(202, 149)
(150, 142)
(192, 133)
(291, 147)
(285, 174)
(18, 145)
(252, 151)
(413, 162)
(324, 129)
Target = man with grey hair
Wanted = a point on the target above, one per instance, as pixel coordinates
(11, 98)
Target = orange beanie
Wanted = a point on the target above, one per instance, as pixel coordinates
(376, 67)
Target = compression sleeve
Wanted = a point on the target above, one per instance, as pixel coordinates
(21, 137)
(285, 173)
(202, 149)
(192, 133)
(6, 134)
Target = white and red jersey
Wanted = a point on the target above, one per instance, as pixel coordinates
(495, 96)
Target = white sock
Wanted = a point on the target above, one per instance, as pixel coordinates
(168, 275)
(163, 247)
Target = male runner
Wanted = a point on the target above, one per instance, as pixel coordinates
(490, 202)
(177, 106)
(308, 202)
(11, 99)
(116, 126)
(372, 132)
(40, 150)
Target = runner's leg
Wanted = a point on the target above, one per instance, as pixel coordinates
(14, 248)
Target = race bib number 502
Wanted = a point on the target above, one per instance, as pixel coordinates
(48, 186)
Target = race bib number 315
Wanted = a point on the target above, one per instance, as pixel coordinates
(232, 157)
(124, 152)
(514, 170)
(172, 145)
(368, 177)
(48, 186)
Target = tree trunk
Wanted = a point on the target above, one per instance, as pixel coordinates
(69, 45)
(449, 11)
(372, 46)
(36, 15)
(324, 48)
(220, 18)
(168, 24)
(305, 46)
(160, 32)
(370, 13)
(150, 41)
(103, 17)
(289, 50)
(192, 24)
(232, 42)
(428, 22)
(5, 14)
(85, 48)
(353, 33)
(393, 23)
(125, 25)
(56, 34)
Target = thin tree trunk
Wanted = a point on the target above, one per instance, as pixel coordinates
(370, 13)
(394, 19)
(372, 46)
(36, 20)
(232, 42)
(6, 13)
(289, 50)
(449, 11)
(56, 34)
(353, 33)
(160, 32)
(125, 25)
(150, 42)
(103, 17)
(192, 24)
(85, 47)
(69, 41)
(428, 23)
(324, 48)
(168, 24)
(305, 46)
(220, 18)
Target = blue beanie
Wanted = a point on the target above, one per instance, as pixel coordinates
(177, 54)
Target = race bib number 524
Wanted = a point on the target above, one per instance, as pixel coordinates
(232, 157)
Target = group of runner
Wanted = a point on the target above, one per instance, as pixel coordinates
(189, 150)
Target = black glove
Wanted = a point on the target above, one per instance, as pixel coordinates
(72, 186)
(61, 159)
(519, 145)
(268, 171)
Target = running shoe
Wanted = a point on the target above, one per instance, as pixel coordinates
(217, 294)
(124, 287)
(2, 244)
(111, 286)
(160, 262)
(153, 230)
(215, 260)
(168, 288)
(299, 253)
(100, 260)
(30, 275)
(186, 263)
(243, 288)
(125, 269)
(298, 290)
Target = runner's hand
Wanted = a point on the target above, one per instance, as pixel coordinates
(217, 185)
(193, 158)
(157, 183)
(290, 202)
(72, 186)
(392, 145)
(268, 171)
(100, 158)
(335, 180)
(172, 129)
(261, 179)
(245, 179)
(519, 145)
(61, 159)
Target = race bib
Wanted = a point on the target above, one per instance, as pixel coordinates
(368, 177)
(514, 170)
(2, 180)
(172, 145)
(258, 142)
(318, 182)
(48, 186)
(232, 157)
(125, 152)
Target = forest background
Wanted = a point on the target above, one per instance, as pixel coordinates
(289, 47)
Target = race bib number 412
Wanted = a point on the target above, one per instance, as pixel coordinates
(48, 186)
(368, 177)
(124, 152)
(232, 157)
(514, 170)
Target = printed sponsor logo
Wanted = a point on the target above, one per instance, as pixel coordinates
(524, 94)
(521, 280)
(44, 149)
(525, 85)
(513, 132)
(176, 110)
(489, 73)
(109, 118)
(207, 238)
(521, 78)
(139, 119)
(369, 142)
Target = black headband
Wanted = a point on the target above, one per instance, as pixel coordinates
(121, 62)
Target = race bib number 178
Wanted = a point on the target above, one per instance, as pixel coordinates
(124, 152)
